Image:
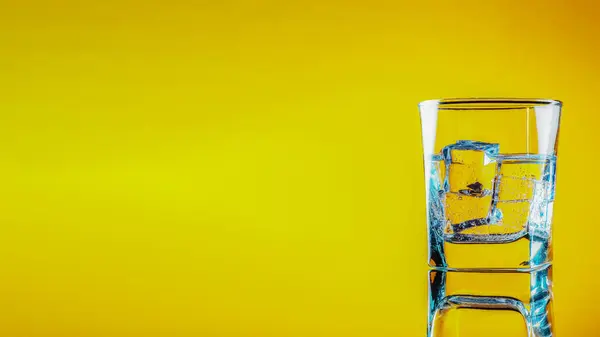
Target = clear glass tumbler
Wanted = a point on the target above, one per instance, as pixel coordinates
(490, 172)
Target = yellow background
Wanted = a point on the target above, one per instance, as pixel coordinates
(254, 168)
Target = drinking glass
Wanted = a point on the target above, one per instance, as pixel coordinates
(490, 173)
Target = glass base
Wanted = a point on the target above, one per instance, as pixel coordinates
(490, 303)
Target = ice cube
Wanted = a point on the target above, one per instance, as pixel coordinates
(520, 190)
(518, 177)
(514, 215)
(470, 167)
(489, 149)
(463, 208)
(514, 189)
(468, 183)
(466, 212)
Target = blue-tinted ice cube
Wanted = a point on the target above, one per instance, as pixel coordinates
(489, 149)
(468, 184)
(470, 167)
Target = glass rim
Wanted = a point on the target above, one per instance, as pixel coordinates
(488, 103)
